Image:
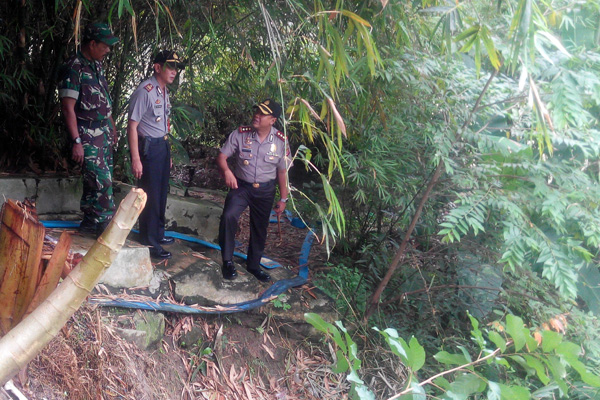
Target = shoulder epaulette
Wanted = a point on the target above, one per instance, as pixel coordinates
(244, 129)
(280, 135)
(149, 87)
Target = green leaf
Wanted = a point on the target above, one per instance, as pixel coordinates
(418, 392)
(550, 340)
(494, 391)
(558, 372)
(451, 359)
(498, 340)
(342, 363)
(514, 327)
(354, 378)
(467, 33)
(521, 361)
(417, 355)
(464, 386)
(588, 287)
(514, 392)
(356, 18)
(539, 368)
(364, 393)
(327, 328)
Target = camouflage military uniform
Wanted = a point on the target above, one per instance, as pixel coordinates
(84, 80)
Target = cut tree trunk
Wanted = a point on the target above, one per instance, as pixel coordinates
(23, 342)
(21, 244)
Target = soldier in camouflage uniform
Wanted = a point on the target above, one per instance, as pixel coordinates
(87, 109)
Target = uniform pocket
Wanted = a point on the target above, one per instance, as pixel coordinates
(271, 159)
(92, 97)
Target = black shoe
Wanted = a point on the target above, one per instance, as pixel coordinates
(101, 227)
(166, 240)
(260, 275)
(87, 226)
(228, 270)
(160, 253)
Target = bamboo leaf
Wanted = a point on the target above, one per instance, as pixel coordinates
(338, 118)
(356, 18)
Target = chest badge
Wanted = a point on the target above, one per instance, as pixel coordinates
(273, 147)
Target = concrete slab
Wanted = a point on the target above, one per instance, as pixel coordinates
(131, 268)
(51, 194)
(198, 217)
(57, 196)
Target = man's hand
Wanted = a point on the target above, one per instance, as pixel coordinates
(77, 153)
(230, 179)
(136, 167)
(279, 207)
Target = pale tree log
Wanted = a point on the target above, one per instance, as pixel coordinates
(22, 343)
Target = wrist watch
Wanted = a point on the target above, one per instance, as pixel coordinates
(77, 140)
(283, 200)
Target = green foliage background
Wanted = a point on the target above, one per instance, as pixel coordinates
(501, 98)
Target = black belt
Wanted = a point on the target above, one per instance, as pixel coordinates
(92, 124)
(153, 139)
(256, 185)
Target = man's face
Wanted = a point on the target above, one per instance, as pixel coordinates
(166, 72)
(260, 120)
(98, 50)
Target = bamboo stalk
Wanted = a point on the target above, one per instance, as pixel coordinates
(30, 336)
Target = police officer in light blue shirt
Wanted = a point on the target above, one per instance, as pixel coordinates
(261, 160)
(147, 130)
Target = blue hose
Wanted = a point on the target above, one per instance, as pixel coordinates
(273, 291)
(265, 262)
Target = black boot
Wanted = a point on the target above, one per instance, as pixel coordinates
(101, 227)
(260, 275)
(228, 270)
(87, 225)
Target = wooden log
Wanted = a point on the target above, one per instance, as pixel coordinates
(21, 243)
(53, 271)
(31, 335)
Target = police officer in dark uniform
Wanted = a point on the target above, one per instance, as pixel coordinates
(147, 131)
(261, 159)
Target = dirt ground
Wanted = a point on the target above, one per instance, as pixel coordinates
(236, 357)
(87, 360)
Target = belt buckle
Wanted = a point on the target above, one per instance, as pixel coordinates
(256, 185)
(165, 137)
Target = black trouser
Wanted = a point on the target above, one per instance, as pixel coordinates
(260, 201)
(155, 155)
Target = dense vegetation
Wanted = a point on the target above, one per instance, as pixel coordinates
(454, 154)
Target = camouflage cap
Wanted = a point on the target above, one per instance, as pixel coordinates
(100, 33)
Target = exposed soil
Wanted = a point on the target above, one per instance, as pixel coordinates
(87, 360)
